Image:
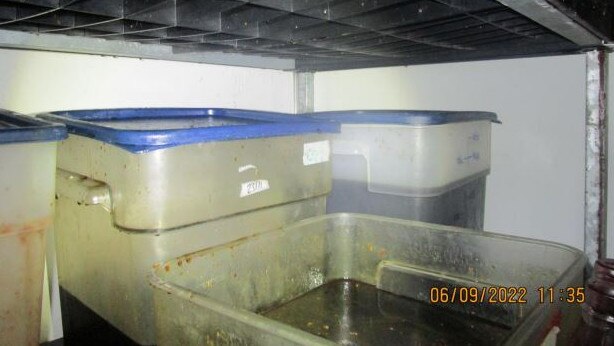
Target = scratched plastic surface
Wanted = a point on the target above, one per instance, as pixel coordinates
(415, 161)
(159, 204)
(27, 172)
(228, 294)
(156, 124)
(429, 173)
(184, 185)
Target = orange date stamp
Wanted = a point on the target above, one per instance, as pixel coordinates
(477, 295)
(504, 295)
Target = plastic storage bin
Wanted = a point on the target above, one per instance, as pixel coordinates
(138, 186)
(291, 294)
(27, 185)
(423, 165)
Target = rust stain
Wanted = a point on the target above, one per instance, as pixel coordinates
(179, 262)
(35, 225)
(199, 253)
(6, 229)
(167, 267)
(156, 266)
(23, 238)
(382, 253)
(29, 235)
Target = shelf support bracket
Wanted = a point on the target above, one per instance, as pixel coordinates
(303, 92)
(596, 167)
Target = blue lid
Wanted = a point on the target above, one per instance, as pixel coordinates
(15, 128)
(145, 129)
(402, 117)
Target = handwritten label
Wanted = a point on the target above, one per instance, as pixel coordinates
(316, 152)
(252, 187)
(473, 157)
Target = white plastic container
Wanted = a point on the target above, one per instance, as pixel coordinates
(139, 186)
(27, 184)
(423, 165)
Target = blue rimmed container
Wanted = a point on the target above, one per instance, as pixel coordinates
(146, 129)
(422, 165)
(138, 186)
(27, 186)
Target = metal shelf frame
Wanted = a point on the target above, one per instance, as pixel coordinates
(299, 35)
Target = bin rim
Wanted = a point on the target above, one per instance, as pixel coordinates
(254, 124)
(403, 117)
(20, 128)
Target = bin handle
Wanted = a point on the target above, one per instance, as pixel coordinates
(83, 190)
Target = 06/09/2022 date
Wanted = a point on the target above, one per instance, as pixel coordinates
(504, 295)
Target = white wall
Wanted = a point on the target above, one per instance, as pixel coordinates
(536, 186)
(43, 81)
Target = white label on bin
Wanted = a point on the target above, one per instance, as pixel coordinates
(316, 152)
(252, 187)
(247, 167)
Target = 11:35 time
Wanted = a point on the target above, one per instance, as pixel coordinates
(567, 295)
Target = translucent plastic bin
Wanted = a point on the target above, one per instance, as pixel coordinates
(168, 168)
(280, 287)
(27, 184)
(187, 179)
(429, 166)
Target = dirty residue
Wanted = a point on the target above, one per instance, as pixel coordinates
(351, 312)
(208, 283)
(22, 253)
